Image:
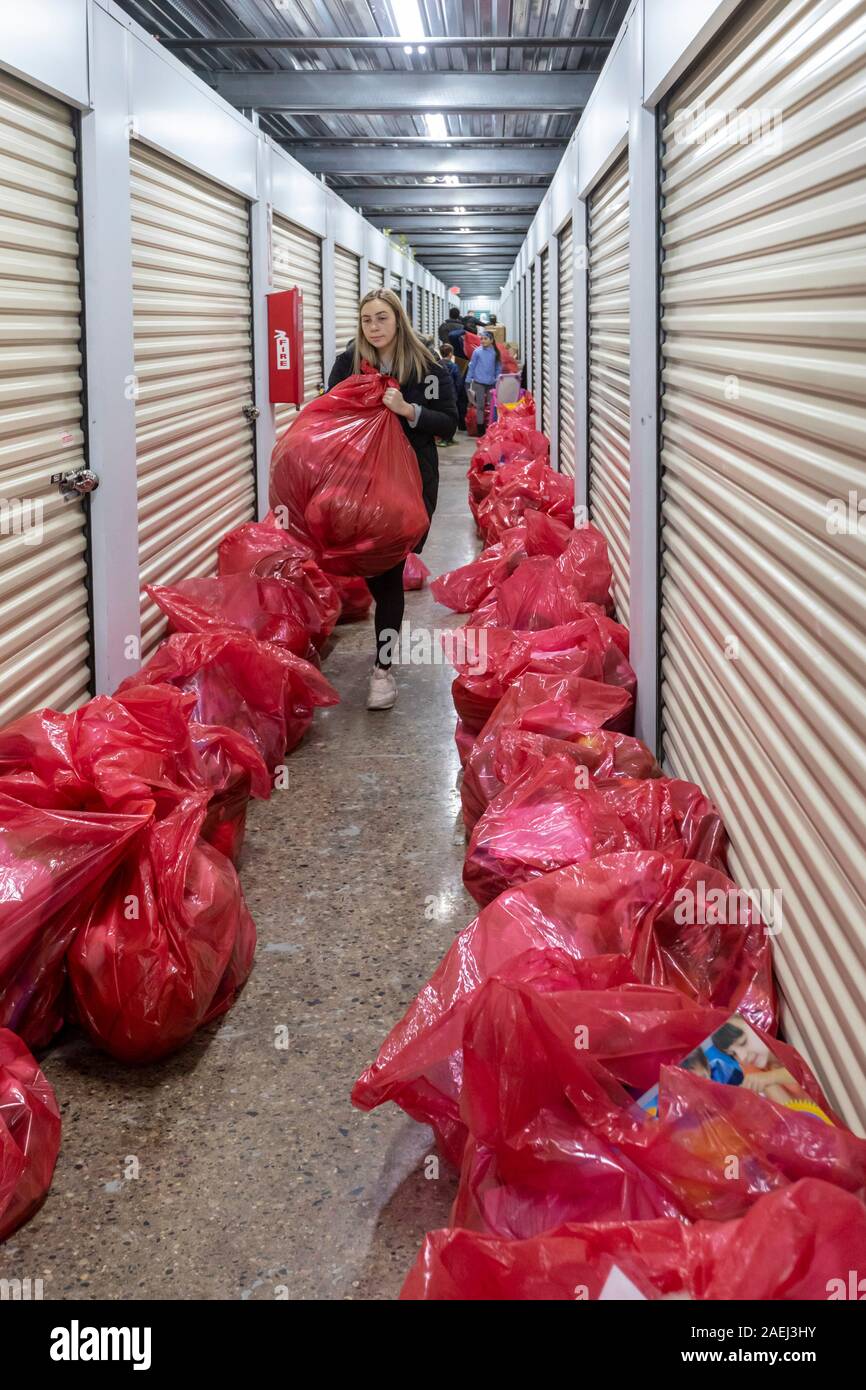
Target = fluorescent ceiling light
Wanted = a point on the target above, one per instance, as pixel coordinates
(459, 210)
(437, 128)
(407, 17)
(451, 180)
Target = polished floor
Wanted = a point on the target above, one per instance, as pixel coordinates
(256, 1179)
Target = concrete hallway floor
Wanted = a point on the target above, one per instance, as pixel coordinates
(256, 1179)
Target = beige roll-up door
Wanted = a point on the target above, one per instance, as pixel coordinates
(193, 365)
(609, 429)
(44, 611)
(764, 441)
(375, 276)
(566, 350)
(534, 385)
(347, 295)
(297, 262)
(546, 413)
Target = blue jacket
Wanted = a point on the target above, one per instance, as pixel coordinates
(484, 367)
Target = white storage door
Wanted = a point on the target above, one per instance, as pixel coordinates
(566, 350)
(609, 428)
(193, 364)
(546, 413)
(397, 284)
(297, 262)
(44, 610)
(375, 276)
(764, 440)
(347, 295)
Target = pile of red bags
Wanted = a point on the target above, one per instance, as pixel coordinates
(788, 1247)
(120, 909)
(348, 480)
(596, 1053)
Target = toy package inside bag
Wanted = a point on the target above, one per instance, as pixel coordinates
(736, 1056)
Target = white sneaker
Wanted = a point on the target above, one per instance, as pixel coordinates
(383, 689)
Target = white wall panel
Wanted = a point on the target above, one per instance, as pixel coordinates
(45, 42)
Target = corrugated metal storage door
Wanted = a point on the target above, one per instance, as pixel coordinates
(566, 350)
(546, 413)
(532, 344)
(609, 466)
(44, 617)
(410, 304)
(347, 295)
(193, 364)
(764, 437)
(375, 276)
(297, 260)
(397, 284)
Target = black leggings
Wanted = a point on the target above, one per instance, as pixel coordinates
(390, 600)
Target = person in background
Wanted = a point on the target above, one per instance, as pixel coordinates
(449, 324)
(470, 323)
(459, 384)
(424, 403)
(431, 346)
(455, 339)
(485, 369)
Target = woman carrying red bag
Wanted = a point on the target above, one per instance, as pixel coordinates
(426, 406)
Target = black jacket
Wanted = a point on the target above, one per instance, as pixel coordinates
(438, 418)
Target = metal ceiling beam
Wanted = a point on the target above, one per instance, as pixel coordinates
(407, 93)
(313, 42)
(426, 160)
(449, 142)
(446, 220)
(464, 195)
(459, 245)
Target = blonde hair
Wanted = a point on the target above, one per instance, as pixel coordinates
(411, 359)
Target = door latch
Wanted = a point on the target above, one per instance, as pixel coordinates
(252, 412)
(76, 483)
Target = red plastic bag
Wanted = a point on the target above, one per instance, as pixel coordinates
(471, 341)
(349, 479)
(509, 441)
(590, 647)
(53, 863)
(420, 1063)
(564, 706)
(264, 550)
(416, 573)
(789, 1247)
(244, 548)
(519, 487)
(257, 688)
(512, 751)
(471, 421)
(545, 819)
(560, 1138)
(546, 592)
(269, 609)
(355, 598)
(165, 945)
(619, 912)
(465, 588)
(29, 1134)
